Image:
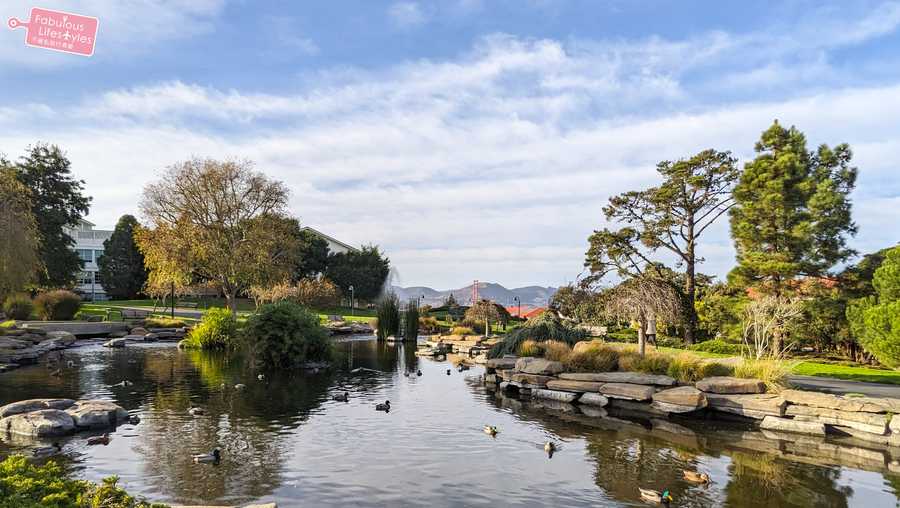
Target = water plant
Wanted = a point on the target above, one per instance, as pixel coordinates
(411, 320)
(284, 335)
(216, 330)
(387, 311)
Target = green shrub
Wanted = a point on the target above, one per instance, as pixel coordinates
(428, 323)
(651, 363)
(387, 311)
(25, 485)
(216, 330)
(541, 328)
(411, 320)
(18, 307)
(772, 372)
(475, 325)
(163, 322)
(556, 351)
(57, 305)
(284, 335)
(462, 330)
(710, 369)
(594, 359)
(717, 346)
(686, 367)
(530, 348)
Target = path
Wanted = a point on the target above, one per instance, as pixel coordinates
(840, 386)
(179, 311)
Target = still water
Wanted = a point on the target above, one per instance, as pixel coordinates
(285, 440)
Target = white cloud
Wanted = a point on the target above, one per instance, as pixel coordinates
(407, 14)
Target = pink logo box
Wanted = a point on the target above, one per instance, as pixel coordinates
(59, 31)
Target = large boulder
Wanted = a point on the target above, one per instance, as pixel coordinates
(574, 386)
(867, 422)
(27, 406)
(587, 345)
(41, 423)
(593, 399)
(826, 400)
(530, 380)
(501, 363)
(627, 391)
(756, 406)
(726, 384)
(787, 425)
(96, 414)
(62, 337)
(558, 396)
(682, 399)
(539, 366)
(635, 378)
(14, 343)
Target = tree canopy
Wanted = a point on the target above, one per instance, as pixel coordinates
(20, 246)
(876, 319)
(366, 270)
(122, 267)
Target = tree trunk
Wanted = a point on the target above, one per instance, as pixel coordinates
(690, 289)
(231, 300)
(642, 338)
(487, 328)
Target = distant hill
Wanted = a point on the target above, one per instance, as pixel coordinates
(530, 296)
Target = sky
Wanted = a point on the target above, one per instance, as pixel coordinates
(468, 139)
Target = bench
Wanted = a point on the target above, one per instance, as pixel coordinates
(187, 305)
(127, 313)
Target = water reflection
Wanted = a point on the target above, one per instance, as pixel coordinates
(284, 439)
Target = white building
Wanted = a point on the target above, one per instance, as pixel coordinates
(334, 245)
(89, 246)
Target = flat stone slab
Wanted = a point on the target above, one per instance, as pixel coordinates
(77, 328)
(117, 343)
(756, 406)
(635, 378)
(42, 423)
(27, 406)
(633, 408)
(593, 399)
(501, 363)
(558, 396)
(867, 422)
(531, 379)
(627, 391)
(826, 400)
(682, 399)
(726, 384)
(539, 366)
(786, 425)
(574, 386)
(96, 414)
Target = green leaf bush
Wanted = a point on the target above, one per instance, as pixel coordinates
(18, 307)
(876, 320)
(717, 346)
(216, 330)
(541, 328)
(57, 305)
(284, 335)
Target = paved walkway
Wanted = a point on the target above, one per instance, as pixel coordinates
(179, 312)
(840, 386)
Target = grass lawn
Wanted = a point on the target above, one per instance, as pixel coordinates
(849, 373)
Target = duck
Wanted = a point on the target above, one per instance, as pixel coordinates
(448, 372)
(196, 411)
(134, 419)
(490, 430)
(550, 447)
(406, 373)
(654, 496)
(383, 407)
(695, 477)
(124, 383)
(341, 398)
(46, 451)
(205, 458)
(463, 367)
(56, 373)
(240, 386)
(70, 364)
(418, 372)
(261, 377)
(98, 440)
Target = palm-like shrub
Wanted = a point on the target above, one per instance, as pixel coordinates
(18, 307)
(58, 305)
(542, 328)
(387, 310)
(284, 335)
(216, 331)
(462, 330)
(411, 320)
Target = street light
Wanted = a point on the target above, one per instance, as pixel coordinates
(519, 302)
(351, 300)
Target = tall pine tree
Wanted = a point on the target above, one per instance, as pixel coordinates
(122, 264)
(792, 212)
(57, 203)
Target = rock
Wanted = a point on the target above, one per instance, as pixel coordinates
(627, 391)
(558, 396)
(11, 343)
(683, 399)
(894, 424)
(593, 399)
(120, 342)
(27, 406)
(756, 406)
(593, 411)
(786, 425)
(725, 384)
(62, 338)
(42, 423)
(490, 378)
(574, 386)
(631, 408)
(96, 414)
(501, 363)
(539, 366)
(586, 345)
(862, 435)
(635, 378)
(531, 380)
(826, 400)
(866, 422)
(140, 330)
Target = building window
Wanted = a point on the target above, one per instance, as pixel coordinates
(97, 254)
(85, 255)
(86, 278)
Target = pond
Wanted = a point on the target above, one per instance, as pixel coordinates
(284, 439)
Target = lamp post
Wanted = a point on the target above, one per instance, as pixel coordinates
(351, 300)
(519, 303)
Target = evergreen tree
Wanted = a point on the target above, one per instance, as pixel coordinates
(875, 320)
(19, 243)
(792, 212)
(122, 264)
(57, 203)
(311, 254)
(365, 270)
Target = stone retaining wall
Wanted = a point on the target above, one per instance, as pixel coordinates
(868, 419)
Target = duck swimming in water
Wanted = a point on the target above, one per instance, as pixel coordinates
(345, 397)
(383, 407)
(240, 386)
(261, 377)
(418, 372)
(196, 411)
(656, 497)
(490, 430)
(98, 440)
(695, 477)
(550, 447)
(206, 458)
(448, 372)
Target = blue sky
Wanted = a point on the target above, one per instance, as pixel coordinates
(470, 139)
